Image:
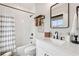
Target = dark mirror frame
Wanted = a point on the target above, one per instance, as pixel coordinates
(51, 17)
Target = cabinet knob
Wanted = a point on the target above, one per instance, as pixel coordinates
(46, 54)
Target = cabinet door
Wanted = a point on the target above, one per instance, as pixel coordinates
(45, 47)
(40, 52)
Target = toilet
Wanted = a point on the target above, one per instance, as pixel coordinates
(26, 51)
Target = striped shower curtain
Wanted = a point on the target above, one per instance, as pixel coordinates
(7, 34)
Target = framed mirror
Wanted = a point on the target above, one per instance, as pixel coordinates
(59, 15)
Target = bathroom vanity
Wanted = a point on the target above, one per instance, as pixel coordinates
(56, 48)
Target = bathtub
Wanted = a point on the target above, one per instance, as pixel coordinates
(26, 50)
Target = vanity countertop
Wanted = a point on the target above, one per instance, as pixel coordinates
(66, 47)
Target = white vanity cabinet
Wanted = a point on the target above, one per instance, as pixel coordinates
(43, 49)
(48, 48)
(39, 50)
(42, 52)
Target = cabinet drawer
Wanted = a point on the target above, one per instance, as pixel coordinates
(39, 52)
(47, 48)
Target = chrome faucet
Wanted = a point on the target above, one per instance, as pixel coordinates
(56, 33)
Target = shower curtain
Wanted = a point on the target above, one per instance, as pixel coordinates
(7, 34)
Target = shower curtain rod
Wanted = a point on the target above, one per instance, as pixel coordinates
(16, 8)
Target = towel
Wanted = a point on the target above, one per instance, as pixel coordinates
(74, 29)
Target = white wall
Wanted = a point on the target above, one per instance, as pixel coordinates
(44, 9)
(23, 22)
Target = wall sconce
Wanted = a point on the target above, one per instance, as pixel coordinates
(39, 22)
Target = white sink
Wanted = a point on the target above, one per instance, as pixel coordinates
(58, 42)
